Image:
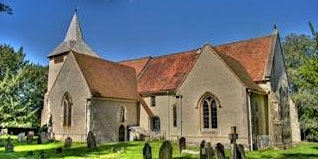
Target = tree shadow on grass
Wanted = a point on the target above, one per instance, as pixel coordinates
(77, 151)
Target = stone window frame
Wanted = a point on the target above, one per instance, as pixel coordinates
(155, 124)
(67, 109)
(122, 114)
(175, 115)
(152, 101)
(209, 115)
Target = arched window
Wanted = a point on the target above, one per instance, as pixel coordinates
(156, 124)
(67, 109)
(175, 116)
(209, 109)
(122, 114)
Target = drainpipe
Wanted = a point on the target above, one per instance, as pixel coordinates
(168, 116)
(250, 130)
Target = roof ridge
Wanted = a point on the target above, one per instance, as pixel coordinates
(246, 40)
(141, 58)
(176, 53)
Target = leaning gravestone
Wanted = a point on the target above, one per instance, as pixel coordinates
(146, 151)
(91, 141)
(202, 150)
(165, 151)
(68, 142)
(219, 151)
(240, 154)
(182, 144)
(9, 146)
(21, 136)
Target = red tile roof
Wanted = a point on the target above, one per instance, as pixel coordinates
(253, 54)
(138, 64)
(108, 79)
(164, 73)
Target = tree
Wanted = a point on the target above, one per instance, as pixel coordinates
(22, 87)
(5, 8)
(300, 53)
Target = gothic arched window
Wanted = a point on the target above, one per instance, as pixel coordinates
(175, 116)
(209, 112)
(67, 109)
(122, 114)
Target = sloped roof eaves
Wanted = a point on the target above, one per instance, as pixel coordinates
(108, 79)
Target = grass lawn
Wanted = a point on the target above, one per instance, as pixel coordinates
(133, 150)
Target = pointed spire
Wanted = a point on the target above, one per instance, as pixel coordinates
(74, 32)
(73, 40)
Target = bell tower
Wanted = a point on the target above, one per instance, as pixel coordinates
(73, 41)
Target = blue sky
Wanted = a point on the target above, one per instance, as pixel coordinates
(127, 29)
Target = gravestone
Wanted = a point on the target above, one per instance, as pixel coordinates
(182, 144)
(240, 154)
(9, 146)
(44, 137)
(59, 150)
(146, 151)
(165, 151)
(4, 131)
(68, 142)
(209, 150)
(219, 151)
(91, 141)
(1, 143)
(29, 137)
(21, 136)
(233, 136)
(202, 150)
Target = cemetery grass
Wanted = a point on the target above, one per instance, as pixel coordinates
(133, 150)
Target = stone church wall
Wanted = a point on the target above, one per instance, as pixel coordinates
(106, 118)
(69, 80)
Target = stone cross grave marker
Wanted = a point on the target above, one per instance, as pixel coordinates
(182, 144)
(219, 151)
(146, 151)
(165, 151)
(233, 136)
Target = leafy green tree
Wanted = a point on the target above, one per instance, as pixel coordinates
(22, 87)
(5, 8)
(300, 53)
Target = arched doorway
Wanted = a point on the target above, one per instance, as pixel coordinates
(121, 133)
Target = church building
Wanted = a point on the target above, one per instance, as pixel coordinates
(197, 94)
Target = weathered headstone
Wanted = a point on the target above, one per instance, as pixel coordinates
(21, 136)
(91, 141)
(209, 151)
(240, 154)
(4, 131)
(233, 136)
(219, 151)
(29, 137)
(182, 144)
(146, 151)
(59, 150)
(68, 142)
(202, 150)
(9, 146)
(44, 137)
(165, 151)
